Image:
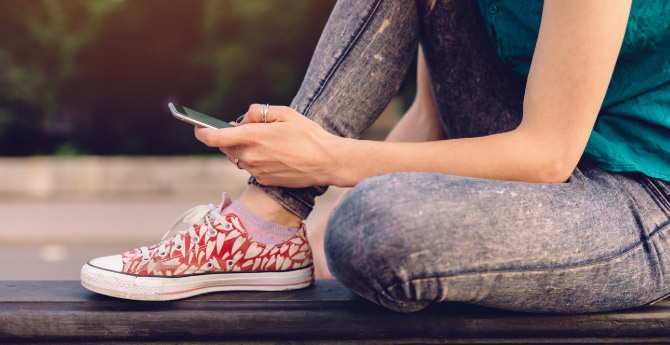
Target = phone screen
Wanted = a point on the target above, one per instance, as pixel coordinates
(196, 118)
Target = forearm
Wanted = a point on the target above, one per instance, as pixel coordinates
(513, 156)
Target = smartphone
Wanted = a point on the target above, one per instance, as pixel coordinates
(196, 118)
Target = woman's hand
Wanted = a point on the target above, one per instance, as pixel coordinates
(289, 150)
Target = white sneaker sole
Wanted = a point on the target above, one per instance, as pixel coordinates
(163, 288)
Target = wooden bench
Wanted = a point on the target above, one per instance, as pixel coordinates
(65, 312)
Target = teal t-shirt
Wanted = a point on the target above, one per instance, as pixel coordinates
(632, 131)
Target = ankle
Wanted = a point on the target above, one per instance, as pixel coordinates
(260, 203)
(260, 229)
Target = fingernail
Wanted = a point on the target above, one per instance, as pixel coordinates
(239, 119)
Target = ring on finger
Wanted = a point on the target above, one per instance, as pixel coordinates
(264, 112)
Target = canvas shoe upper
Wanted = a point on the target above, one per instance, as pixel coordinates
(215, 253)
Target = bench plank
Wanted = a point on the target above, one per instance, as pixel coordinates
(63, 311)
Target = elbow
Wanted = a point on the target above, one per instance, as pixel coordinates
(550, 163)
(548, 159)
(553, 171)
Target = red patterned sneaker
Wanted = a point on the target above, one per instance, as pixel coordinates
(215, 253)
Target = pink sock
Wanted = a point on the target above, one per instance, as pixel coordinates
(259, 228)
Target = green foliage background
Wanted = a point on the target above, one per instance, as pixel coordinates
(94, 76)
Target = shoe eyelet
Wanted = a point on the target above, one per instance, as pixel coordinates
(212, 233)
(162, 254)
(145, 258)
(227, 226)
(178, 247)
(229, 263)
(195, 239)
(209, 265)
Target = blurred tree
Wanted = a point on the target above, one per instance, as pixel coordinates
(94, 76)
(40, 40)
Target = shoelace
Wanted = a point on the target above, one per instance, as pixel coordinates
(191, 217)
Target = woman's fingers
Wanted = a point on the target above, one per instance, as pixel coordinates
(274, 114)
(232, 154)
(253, 114)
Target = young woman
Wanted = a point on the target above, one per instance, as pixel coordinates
(565, 211)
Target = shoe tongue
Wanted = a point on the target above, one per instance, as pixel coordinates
(225, 201)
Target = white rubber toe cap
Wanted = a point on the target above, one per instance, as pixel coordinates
(112, 263)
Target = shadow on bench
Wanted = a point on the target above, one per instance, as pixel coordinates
(63, 311)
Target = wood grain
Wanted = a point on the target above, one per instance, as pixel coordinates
(63, 311)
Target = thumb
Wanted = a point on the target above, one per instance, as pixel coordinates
(223, 137)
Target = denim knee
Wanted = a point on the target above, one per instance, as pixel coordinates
(359, 246)
(347, 246)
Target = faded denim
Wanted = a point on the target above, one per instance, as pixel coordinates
(596, 243)
(599, 242)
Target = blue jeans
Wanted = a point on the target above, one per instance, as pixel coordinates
(598, 242)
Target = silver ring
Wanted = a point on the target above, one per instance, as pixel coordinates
(264, 112)
(237, 163)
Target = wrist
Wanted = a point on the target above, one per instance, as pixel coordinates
(338, 171)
